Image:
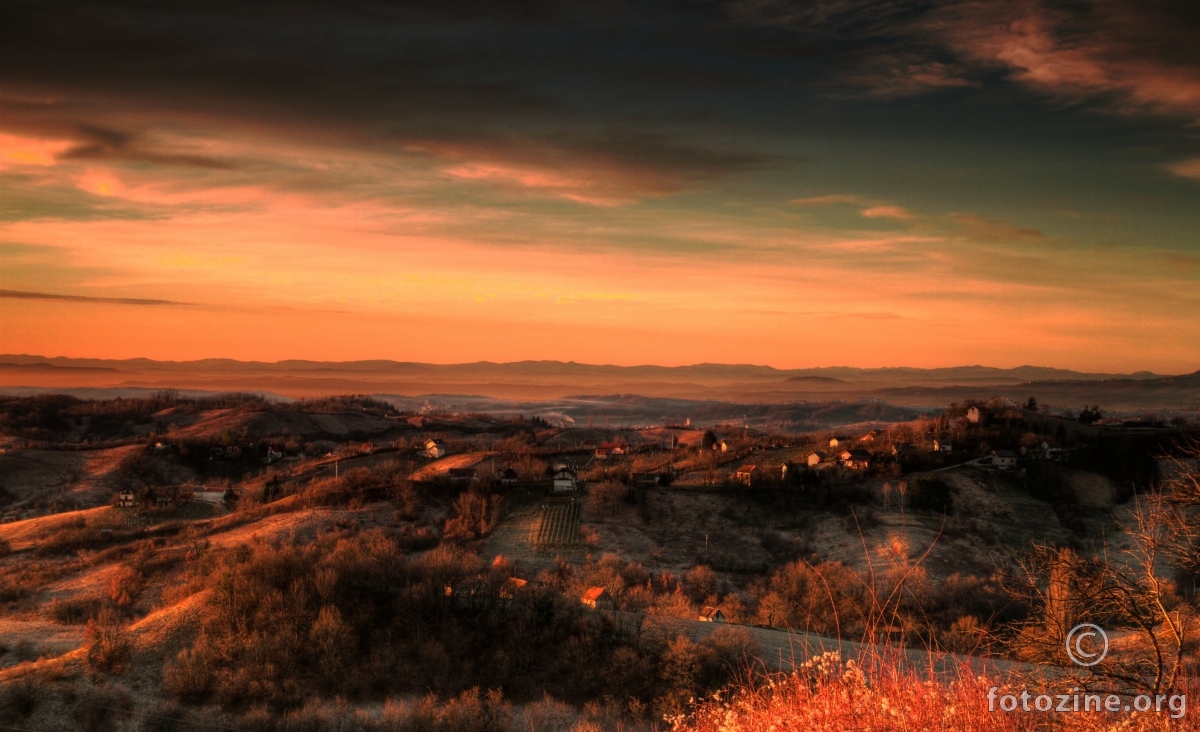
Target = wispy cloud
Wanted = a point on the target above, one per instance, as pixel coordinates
(887, 212)
(988, 229)
(1122, 54)
(24, 295)
(829, 200)
(1186, 169)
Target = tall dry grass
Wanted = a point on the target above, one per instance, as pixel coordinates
(881, 692)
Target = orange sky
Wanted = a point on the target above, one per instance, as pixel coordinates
(141, 223)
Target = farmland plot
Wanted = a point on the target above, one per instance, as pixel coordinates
(559, 527)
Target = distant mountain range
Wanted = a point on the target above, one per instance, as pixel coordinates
(547, 380)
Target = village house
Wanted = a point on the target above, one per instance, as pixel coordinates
(783, 471)
(711, 614)
(871, 436)
(597, 598)
(1052, 453)
(856, 459)
(125, 499)
(508, 476)
(901, 449)
(974, 415)
(1004, 459)
(745, 474)
(816, 458)
(942, 446)
(564, 481)
(434, 448)
(511, 587)
(838, 440)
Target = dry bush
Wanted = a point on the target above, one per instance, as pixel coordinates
(474, 516)
(75, 610)
(109, 644)
(126, 586)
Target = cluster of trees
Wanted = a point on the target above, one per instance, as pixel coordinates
(351, 614)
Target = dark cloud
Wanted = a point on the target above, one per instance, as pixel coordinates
(104, 144)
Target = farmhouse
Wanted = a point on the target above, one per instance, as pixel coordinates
(838, 440)
(855, 459)
(974, 415)
(1004, 459)
(745, 474)
(871, 436)
(564, 481)
(125, 499)
(597, 598)
(434, 448)
(613, 448)
(711, 614)
(942, 446)
(816, 458)
(508, 476)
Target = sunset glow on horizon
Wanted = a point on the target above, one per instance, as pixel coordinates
(735, 182)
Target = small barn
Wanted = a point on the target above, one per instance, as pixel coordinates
(597, 598)
(511, 587)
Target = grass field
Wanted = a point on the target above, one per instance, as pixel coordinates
(559, 527)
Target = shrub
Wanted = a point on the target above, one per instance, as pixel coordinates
(930, 494)
(74, 611)
(109, 643)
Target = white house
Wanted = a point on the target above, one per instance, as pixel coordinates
(434, 448)
(565, 481)
(1004, 459)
